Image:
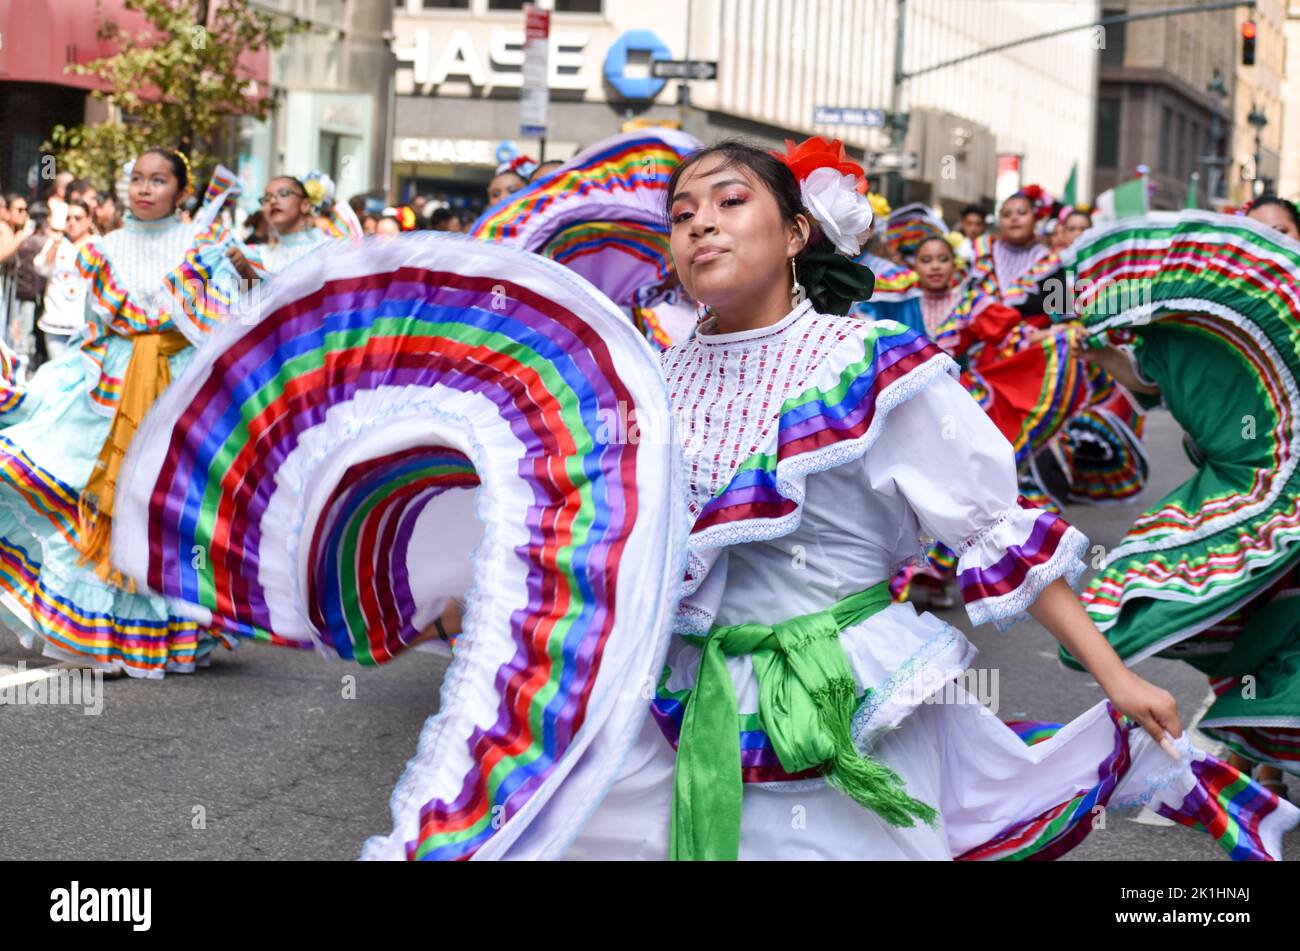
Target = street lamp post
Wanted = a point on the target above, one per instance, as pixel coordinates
(684, 87)
(1258, 120)
(1219, 90)
(898, 119)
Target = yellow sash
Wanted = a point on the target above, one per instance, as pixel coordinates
(147, 375)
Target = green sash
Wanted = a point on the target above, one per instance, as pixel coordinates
(807, 696)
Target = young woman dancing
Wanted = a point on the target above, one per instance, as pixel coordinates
(800, 712)
(817, 448)
(155, 287)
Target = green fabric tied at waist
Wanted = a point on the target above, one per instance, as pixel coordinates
(807, 696)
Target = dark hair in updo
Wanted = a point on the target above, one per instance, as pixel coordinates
(1269, 198)
(768, 169)
(179, 168)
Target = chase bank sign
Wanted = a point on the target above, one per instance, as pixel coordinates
(490, 59)
(635, 42)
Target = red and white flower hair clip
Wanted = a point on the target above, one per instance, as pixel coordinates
(1040, 201)
(829, 185)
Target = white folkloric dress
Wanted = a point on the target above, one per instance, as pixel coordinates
(427, 443)
(819, 452)
(286, 250)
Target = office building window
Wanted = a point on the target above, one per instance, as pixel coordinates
(445, 4)
(505, 4)
(1107, 133)
(578, 6)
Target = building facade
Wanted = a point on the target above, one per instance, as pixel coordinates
(1160, 105)
(1029, 108)
(459, 76)
(333, 88)
(39, 40)
(779, 61)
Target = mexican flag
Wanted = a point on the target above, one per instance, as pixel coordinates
(1070, 196)
(1128, 200)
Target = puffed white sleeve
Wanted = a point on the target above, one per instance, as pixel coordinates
(941, 455)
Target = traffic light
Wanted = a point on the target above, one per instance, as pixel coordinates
(1248, 43)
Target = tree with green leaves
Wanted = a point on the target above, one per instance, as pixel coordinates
(177, 83)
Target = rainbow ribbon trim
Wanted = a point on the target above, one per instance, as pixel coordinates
(544, 368)
(374, 508)
(198, 301)
(603, 215)
(1224, 802)
(977, 583)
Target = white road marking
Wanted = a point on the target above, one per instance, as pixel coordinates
(16, 608)
(12, 677)
(1148, 818)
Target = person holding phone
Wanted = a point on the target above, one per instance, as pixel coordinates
(65, 292)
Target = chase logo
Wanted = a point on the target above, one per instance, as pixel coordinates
(634, 42)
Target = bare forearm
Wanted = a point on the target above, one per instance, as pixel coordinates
(1117, 364)
(1059, 610)
(9, 246)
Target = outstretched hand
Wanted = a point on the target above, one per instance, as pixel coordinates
(1070, 331)
(1154, 709)
(1151, 707)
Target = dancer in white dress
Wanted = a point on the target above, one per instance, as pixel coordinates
(819, 450)
(291, 212)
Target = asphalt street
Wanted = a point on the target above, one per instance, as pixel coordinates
(274, 754)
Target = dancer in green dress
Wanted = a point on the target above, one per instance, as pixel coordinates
(1202, 313)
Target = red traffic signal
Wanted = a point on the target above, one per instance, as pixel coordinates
(1248, 43)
